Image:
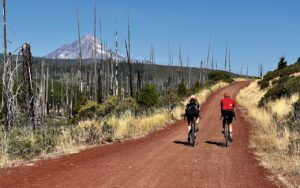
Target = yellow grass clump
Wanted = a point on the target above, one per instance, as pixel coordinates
(4, 157)
(271, 143)
(129, 126)
(295, 74)
(65, 143)
(283, 106)
(240, 79)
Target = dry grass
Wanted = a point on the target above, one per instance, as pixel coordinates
(271, 143)
(93, 132)
(129, 126)
(240, 79)
(4, 157)
(283, 106)
(295, 74)
(65, 144)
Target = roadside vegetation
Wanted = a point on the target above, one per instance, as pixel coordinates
(273, 104)
(95, 123)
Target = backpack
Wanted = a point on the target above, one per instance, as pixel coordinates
(192, 109)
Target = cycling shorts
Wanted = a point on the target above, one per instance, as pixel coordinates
(190, 117)
(227, 116)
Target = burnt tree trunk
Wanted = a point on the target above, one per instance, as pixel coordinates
(139, 84)
(129, 60)
(29, 98)
(8, 98)
(79, 69)
(100, 87)
(42, 96)
(4, 30)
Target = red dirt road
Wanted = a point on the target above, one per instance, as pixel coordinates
(159, 160)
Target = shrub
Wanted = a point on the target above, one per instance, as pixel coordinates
(88, 109)
(108, 106)
(47, 140)
(297, 110)
(88, 132)
(170, 100)
(274, 93)
(181, 90)
(286, 86)
(219, 76)
(82, 100)
(22, 147)
(128, 104)
(197, 86)
(108, 132)
(148, 96)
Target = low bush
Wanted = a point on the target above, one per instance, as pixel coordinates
(181, 89)
(284, 87)
(216, 76)
(148, 96)
(112, 106)
(88, 132)
(22, 147)
(129, 104)
(108, 132)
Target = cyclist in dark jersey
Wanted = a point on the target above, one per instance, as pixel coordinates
(227, 110)
(192, 111)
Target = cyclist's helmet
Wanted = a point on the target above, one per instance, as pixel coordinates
(193, 98)
(226, 95)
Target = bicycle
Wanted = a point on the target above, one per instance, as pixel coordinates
(226, 130)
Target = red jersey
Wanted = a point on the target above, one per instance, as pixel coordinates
(227, 104)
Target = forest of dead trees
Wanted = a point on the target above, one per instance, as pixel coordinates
(34, 89)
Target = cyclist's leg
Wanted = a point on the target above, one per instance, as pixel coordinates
(189, 126)
(230, 126)
(224, 122)
(188, 131)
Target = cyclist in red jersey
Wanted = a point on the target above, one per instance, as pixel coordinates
(227, 110)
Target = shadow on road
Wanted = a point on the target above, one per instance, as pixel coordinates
(215, 143)
(182, 143)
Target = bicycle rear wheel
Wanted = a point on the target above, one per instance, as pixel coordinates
(226, 135)
(193, 137)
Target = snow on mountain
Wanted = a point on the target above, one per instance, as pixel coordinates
(71, 51)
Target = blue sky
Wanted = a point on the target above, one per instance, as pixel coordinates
(258, 31)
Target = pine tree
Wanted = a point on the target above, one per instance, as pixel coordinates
(282, 63)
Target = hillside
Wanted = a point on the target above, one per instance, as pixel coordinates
(274, 104)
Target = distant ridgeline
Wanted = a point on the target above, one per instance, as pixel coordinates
(162, 76)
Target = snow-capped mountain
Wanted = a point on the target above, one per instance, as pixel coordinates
(71, 51)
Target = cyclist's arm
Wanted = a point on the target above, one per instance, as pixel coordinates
(221, 109)
(186, 108)
(234, 105)
(199, 111)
